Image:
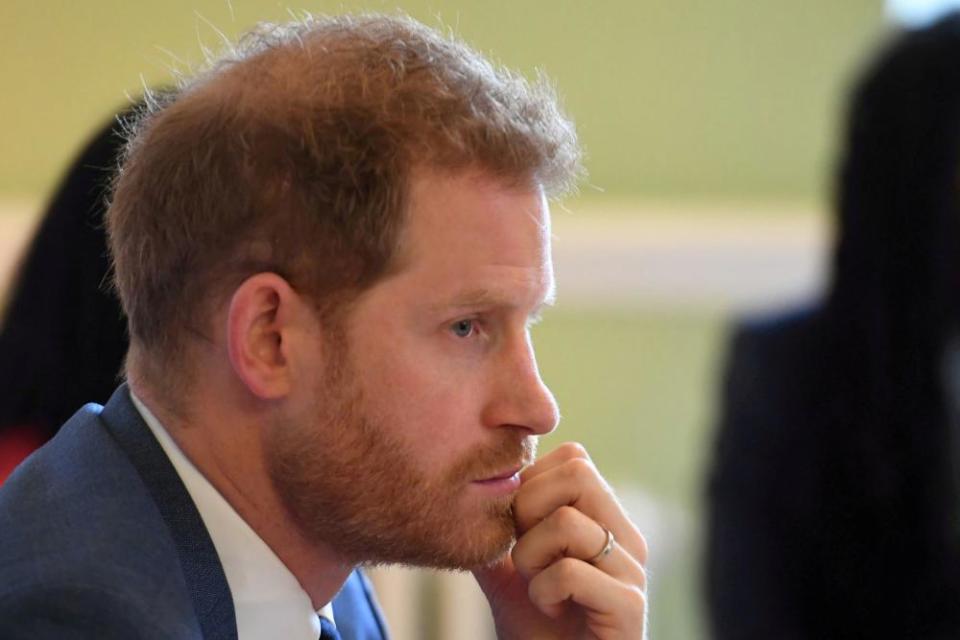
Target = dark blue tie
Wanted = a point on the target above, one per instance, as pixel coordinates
(327, 630)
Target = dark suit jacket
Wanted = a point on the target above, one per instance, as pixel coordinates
(802, 543)
(100, 539)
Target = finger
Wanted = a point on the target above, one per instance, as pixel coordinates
(564, 476)
(566, 451)
(613, 609)
(568, 532)
(577, 483)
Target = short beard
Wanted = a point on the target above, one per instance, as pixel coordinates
(352, 486)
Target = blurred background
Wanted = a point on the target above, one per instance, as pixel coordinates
(710, 130)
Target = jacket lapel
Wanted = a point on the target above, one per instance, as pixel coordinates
(201, 566)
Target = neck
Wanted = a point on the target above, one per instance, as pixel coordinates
(233, 463)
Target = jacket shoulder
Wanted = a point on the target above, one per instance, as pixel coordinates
(777, 341)
(63, 611)
(774, 365)
(771, 402)
(78, 525)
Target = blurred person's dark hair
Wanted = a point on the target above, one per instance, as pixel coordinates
(837, 461)
(894, 305)
(63, 334)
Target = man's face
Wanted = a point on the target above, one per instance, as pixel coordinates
(428, 400)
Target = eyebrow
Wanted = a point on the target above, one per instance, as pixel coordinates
(484, 297)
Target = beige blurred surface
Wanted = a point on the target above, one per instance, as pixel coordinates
(641, 255)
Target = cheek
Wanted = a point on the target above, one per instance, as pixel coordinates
(429, 403)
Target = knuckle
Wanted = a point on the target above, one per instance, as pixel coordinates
(537, 591)
(565, 518)
(642, 583)
(579, 469)
(566, 570)
(635, 598)
(643, 549)
(572, 450)
(635, 607)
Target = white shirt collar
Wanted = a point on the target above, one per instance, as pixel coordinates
(268, 599)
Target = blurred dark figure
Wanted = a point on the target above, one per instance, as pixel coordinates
(834, 501)
(63, 335)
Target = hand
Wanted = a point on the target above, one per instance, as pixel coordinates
(547, 587)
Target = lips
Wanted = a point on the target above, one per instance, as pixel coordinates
(498, 463)
(503, 475)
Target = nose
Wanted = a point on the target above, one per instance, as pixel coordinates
(519, 398)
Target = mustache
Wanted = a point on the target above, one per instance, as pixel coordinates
(490, 460)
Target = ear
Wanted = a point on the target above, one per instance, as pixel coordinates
(260, 320)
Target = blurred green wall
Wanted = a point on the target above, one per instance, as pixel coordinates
(702, 98)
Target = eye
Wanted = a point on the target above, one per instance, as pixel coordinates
(463, 328)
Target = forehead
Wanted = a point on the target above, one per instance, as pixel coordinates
(472, 238)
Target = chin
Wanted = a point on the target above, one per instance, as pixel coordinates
(485, 541)
(451, 554)
(470, 542)
(493, 555)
